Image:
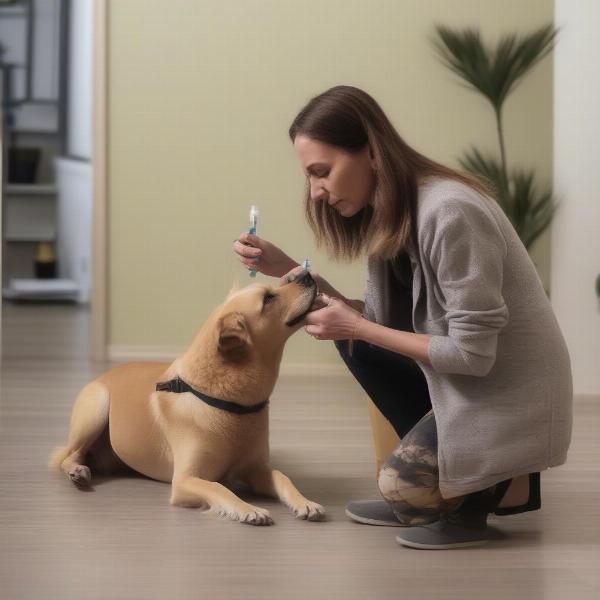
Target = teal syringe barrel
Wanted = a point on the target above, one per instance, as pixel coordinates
(252, 231)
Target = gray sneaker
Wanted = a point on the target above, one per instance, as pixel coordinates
(372, 512)
(442, 535)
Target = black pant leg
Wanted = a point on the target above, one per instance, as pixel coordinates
(394, 382)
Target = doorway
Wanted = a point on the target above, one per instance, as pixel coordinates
(52, 63)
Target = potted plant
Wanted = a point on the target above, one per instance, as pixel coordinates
(495, 73)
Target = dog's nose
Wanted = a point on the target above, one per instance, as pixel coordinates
(305, 279)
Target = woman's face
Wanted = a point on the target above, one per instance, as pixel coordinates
(343, 179)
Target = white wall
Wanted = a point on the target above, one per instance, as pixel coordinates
(79, 100)
(74, 171)
(200, 98)
(45, 57)
(576, 229)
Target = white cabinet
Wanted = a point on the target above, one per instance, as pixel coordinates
(30, 34)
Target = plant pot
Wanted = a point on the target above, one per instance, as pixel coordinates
(23, 164)
(44, 270)
(44, 265)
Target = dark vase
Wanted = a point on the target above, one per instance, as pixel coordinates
(44, 270)
(23, 164)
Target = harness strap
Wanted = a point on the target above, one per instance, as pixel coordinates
(179, 386)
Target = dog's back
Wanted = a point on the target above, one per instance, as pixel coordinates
(135, 436)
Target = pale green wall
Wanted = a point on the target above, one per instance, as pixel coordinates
(201, 97)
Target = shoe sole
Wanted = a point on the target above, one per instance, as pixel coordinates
(409, 544)
(368, 521)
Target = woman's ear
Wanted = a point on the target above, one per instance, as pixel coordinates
(372, 158)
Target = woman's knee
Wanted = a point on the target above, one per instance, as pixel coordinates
(414, 493)
(412, 504)
(418, 492)
(410, 476)
(388, 482)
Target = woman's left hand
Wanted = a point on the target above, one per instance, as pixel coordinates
(335, 321)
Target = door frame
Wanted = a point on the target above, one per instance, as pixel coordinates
(99, 292)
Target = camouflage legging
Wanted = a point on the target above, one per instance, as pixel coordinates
(409, 479)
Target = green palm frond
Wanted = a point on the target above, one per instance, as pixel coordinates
(486, 169)
(529, 210)
(532, 209)
(493, 72)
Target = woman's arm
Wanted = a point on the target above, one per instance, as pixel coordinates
(337, 320)
(466, 250)
(413, 345)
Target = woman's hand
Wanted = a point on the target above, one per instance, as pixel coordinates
(324, 286)
(336, 321)
(256, 253)
(291, 275)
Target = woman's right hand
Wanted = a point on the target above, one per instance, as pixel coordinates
(272, 260)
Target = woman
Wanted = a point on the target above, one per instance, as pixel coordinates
(459, 348)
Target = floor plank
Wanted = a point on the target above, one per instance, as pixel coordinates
(124, 540)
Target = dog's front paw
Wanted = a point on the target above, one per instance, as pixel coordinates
(80, 475)
(257, 516)
(309, 511)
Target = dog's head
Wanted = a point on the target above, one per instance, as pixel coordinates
(263, 317)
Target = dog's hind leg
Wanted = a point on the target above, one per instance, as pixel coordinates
(89, 420)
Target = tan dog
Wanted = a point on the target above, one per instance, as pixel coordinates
(177, 437)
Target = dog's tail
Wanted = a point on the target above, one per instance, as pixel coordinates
(57, 458)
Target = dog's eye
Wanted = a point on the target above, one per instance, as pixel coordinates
(268, 298)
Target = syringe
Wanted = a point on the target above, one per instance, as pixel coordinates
(252, 230)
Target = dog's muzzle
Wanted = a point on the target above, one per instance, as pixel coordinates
(304, 280)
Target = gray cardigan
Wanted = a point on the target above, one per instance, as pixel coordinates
(500, 375)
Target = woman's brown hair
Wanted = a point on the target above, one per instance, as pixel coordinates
(349, 118)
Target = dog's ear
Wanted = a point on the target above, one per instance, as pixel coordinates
(234, 339)
(235, 287)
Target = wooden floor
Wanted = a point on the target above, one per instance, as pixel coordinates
(124, 541)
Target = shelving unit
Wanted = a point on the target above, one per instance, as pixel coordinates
(33, 98)
(29, 214)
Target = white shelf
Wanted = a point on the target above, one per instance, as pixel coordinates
(34, 131)
(41, 289)
(30, 237)
(31, 189)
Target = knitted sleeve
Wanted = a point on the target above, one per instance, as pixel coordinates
(466, 250)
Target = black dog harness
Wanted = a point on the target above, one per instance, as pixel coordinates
(179, 386)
